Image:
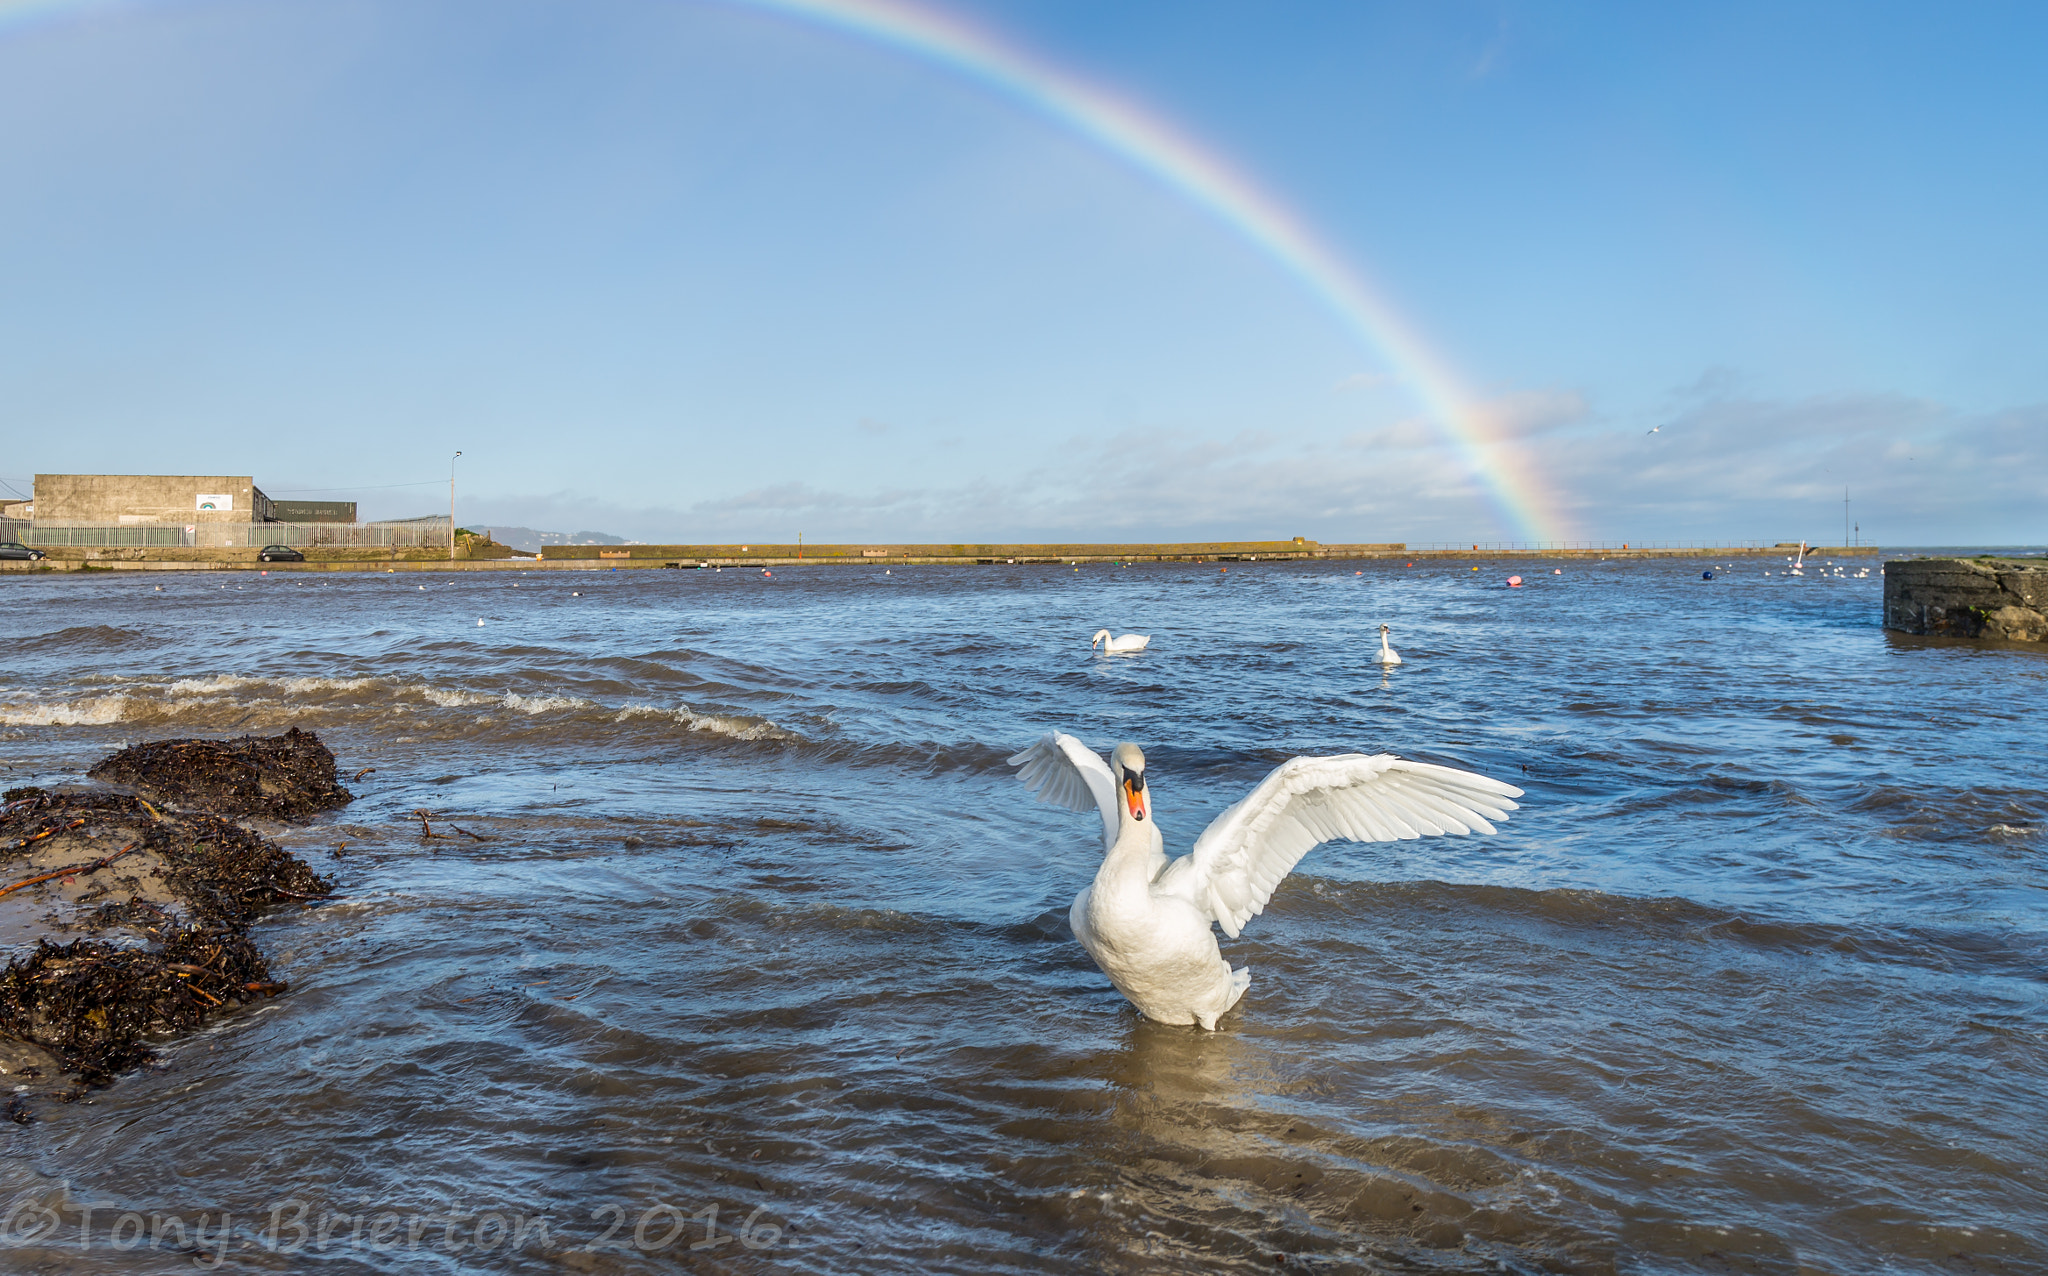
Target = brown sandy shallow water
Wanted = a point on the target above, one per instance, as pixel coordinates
(751, 956)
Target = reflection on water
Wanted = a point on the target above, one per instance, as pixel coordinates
(764, 952)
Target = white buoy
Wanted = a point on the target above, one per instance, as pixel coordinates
(479, 622)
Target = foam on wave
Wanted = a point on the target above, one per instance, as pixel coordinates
(197, 699)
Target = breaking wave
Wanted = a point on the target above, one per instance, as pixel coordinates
(219, 698)
(93, 711)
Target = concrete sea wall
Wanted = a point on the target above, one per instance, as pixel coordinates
(2002, 598)
(475, 556)
(1183, 552)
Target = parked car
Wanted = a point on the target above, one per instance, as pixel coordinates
(280, 554)
(15, 549)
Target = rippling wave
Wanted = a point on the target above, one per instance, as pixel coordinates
(747, 912)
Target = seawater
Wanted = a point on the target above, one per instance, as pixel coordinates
(750, 954)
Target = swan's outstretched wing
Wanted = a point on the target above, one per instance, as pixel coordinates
(1063, 771)
(1245, 851)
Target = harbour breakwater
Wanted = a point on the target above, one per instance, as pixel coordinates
(588, 557)
(1987, 597)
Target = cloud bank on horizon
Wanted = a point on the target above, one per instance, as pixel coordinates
(691, 270)
(1775, 470)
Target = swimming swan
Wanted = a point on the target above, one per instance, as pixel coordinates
(1385, 655)
(1146, 919)
(1129, 642)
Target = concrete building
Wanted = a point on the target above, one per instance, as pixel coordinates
(202, 511)
(128, 500)
(224, 510)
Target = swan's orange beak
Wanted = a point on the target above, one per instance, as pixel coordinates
(1134, 794)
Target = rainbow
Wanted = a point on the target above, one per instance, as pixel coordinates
(1172, 157)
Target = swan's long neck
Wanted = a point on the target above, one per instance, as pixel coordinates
(1132, 863)
(1383, 641)
(1138, 845)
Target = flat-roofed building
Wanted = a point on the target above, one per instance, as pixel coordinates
(125, 500)
(314, 511)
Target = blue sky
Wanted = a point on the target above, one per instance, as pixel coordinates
(690, 269)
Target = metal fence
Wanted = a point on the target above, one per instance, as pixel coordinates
(401, 533)
(418, 533)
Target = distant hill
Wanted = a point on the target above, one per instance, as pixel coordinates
(529, 539)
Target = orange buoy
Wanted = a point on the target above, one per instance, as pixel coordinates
(1514, 582)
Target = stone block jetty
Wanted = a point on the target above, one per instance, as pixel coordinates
(2000, 598)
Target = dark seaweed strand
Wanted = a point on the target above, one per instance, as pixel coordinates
(288, 777)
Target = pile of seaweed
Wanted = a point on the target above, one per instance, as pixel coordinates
(162, 902)
(94, 1005)
(286, 777)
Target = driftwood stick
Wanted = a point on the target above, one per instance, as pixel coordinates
(50, 832)
(93, 867)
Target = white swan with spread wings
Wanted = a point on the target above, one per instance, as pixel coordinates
(1146, 919)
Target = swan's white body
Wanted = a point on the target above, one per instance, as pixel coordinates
(1386, 655)
(1146, 920)
(1129, 642)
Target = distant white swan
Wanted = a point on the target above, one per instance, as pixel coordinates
(1129, 642)
(1385, 655)
(1146, 919)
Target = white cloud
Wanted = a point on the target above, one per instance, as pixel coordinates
(1525, 413)
(1916, 471)
(1363, 381)
(1722, 469)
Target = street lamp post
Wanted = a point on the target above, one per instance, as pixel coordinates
(451, 507)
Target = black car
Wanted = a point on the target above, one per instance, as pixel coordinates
(15, 549)
(280, 554)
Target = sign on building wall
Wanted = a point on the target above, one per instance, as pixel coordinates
(221, 501)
